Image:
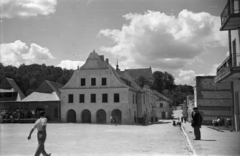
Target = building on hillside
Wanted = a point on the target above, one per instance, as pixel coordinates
(9, 91)
(213, 99)
(163, 106)
(229, 70)
(97, 91)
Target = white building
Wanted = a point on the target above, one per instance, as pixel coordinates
(96, 91)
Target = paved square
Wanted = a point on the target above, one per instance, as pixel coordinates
(93, 139)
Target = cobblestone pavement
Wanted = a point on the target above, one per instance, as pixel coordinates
(93, 139)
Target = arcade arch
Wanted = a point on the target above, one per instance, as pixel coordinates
(71, 116)
(86, 116)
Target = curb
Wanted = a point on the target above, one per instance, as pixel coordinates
(188, 140)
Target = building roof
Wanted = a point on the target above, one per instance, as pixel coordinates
(145, 72)
(36, 96)
(49, 87)
(9, 84)
(94, 62)
(47, 91)
(163, 97)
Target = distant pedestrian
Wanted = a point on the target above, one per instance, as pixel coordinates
(41, 125)
(196, 123)
(33, 113)
(185, 119)
(111, 120)
(116, 120)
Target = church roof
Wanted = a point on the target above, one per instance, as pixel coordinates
(145, 72)
(94, 62)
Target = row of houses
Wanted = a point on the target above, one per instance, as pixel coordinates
(95, 92)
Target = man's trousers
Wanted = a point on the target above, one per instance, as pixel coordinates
(197, 133)
(41, 136)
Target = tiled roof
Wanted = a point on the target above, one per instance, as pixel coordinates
(36, 96)
(145, 72)
(10, 84)
(55, 86)
(163, 97)
(94, 62)
(49, 87)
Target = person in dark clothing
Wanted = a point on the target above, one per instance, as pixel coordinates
(196, 123)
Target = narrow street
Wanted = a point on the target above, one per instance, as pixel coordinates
(91, 139)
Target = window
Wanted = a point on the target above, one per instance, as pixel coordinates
(116, 97)
(161, 104)
(81, 98)
(93, 81)
(104, 98)
(104, 81)
(93, 98)
(70, 98)
(83, 82)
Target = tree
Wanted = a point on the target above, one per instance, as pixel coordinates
(163, 80)
(143, 81)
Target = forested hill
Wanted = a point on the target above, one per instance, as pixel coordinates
(29, 77)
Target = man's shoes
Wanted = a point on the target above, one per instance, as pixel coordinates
(48, 154)
(196, 139)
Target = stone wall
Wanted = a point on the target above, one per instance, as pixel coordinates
(213, 99)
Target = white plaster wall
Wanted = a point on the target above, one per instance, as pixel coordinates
(235, 35)
(123, 105)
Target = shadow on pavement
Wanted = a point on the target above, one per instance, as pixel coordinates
(207, 140)
(161, 123)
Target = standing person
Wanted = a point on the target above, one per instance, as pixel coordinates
(196, 123)
(111, 120)
(116, 120)
(41, 125)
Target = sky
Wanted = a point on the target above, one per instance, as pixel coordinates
(181, 37)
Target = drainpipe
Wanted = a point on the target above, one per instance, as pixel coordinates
(230, 46)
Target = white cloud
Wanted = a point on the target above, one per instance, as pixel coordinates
(18, 52)
(26, 8)
(162, 41)
(68, 64)
(213, 70)
(185, 77)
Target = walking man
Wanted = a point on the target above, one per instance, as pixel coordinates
(41, 125)
(196, 123)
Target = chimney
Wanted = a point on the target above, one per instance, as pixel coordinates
(107, 61)
(102, 57)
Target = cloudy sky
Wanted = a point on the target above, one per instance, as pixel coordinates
(181, 37)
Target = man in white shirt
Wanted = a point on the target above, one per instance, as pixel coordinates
(41, 125)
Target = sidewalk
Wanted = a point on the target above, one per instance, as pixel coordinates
(213, 142)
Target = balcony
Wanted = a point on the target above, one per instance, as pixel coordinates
(230, 17)
(228, 71)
